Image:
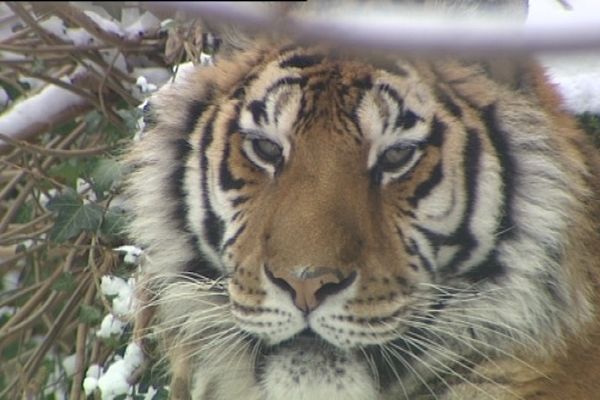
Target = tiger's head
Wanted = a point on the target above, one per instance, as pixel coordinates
(320, 226)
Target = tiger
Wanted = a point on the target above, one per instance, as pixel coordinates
(322, 224)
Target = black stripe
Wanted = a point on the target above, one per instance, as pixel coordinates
(195, 110)
(407, 119)
(448, 103)
(240, 92)
(301, 61)
(489, 269)
(463, 236)
(435, 239)
(393, 93)
(437, 133)
(259, 112)
(176, 182)
(200, 266)
(508, 169)
(425, 187)
(413, 249)
(364, 83)
(239, 200)
(288, 80)
(213, 225)
(226, 180)
(149, 116)
(233, 239)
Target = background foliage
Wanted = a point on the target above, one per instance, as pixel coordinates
(60, 213)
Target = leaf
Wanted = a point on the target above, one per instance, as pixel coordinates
(67, 172)
(90, 315)
(114, 222)
(161, 394)
(105, 175)
(65, 202)
(73, 216)
(64, 283)
(130, 116)
(24, 214)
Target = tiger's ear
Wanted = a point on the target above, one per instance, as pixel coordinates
(510, 10)
(234, 38)
(508, 70)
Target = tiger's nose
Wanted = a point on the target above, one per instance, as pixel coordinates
(310, 286)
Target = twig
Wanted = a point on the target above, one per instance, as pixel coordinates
(18, 293)
(60, 83)
(31, 319)
(67, 312)
(56, 152)
(19, 10)
(70, 48)
(82, 331)
(30, 305)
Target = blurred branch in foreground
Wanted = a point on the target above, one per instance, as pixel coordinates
(419, 34)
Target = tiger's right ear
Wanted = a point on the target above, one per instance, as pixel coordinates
(233, 38)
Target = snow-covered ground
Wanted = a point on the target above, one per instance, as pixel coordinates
(577, 74)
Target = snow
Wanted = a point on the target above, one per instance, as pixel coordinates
(84, 188)
(122, 303)
(577, 75)
(114, 381)
(132, 253)
(25, 114)
(90, 383)
(7, 310)
(145, 86)
(69, 364)
(55, 26)
(4, 99)
(105, 24)
(154, 75)
(11, 280)
(110, 326)
(146, 25)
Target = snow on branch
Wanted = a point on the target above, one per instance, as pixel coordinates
(46, 109)
(103, 52)
(419, 34)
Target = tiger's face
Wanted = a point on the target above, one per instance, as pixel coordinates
(372, 228)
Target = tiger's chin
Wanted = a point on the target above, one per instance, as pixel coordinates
(308, 367)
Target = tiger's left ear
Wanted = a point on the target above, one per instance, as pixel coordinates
(512, 72)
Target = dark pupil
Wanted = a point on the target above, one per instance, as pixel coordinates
(267, 150)
(395, 157)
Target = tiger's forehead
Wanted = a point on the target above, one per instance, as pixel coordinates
(381, 107)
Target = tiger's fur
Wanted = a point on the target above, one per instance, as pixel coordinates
(471, 269)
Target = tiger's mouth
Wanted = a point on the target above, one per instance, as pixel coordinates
(307, 341)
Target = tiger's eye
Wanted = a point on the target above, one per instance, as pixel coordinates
(267, 150)
(395, 157)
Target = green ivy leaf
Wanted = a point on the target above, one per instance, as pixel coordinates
(73, 216)
(161, 394)
(65, 283)
(105, 175)
(67, 172)
(90, 315)
(24, 214)
(114, 223)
